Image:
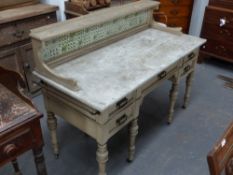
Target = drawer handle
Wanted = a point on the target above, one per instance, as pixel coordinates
(222, 22)
(121, 120)
(122, 103)
(175, 1)
(220, 48)
(162, 75)
(10, 149)
(174, 12)
(19, 33)
(226, 32)
(187, 68)
(191, 56)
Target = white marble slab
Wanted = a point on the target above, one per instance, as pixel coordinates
(108, 74)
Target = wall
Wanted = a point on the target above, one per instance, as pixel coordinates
(59, 3)
(197, 16)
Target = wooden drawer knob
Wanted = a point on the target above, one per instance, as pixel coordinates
(19, 33)
(10, 149)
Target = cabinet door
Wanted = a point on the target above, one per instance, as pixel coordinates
(28, 66)
(11, 59)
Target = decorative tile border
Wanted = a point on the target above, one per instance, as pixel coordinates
(56, 47)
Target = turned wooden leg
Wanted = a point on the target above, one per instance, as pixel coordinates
(133, 132)
(102, 158)
(39, 161)
(16, 167)
(189, 80)
(173, 96)
(52, 125)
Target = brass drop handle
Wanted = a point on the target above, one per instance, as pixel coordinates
(121, 120)
(162, 75)
(191, 56)
(187, 68)
(10, 149)
(19, 33)
(122, 103)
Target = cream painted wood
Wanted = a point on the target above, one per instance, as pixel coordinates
(101, 83)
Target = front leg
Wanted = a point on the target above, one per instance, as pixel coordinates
(173, 97)
(52, 125)
(16, 167)
(133, 132)
(102, 158)
(189, 80)
(39, 161)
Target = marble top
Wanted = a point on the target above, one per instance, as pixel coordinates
(109, 74)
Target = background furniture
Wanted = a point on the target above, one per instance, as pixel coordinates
(20, 128)
(218, 30)
(7, 4)
(82, 7)
(15, 44)
(221, 157)
(175, 13)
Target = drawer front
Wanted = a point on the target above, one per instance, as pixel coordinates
(222, 3)
(218, 48)
(187, 67)
(176, 11)
(20, 30)
(120, 119)
(176, 2)
(219, 17)
(191, 56)
(162, 76)
(15, 144)
(215, 32)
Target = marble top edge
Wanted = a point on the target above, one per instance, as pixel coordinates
(72, 25)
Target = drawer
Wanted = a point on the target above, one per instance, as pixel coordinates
(162, 76)
(222, 3)
(217, 48)
(176, 11)
(187, 67)
(219, 17)
(215, 32)
(177, 2)
(15, 144)
(191, 56)
(121, 119)
(20, 30)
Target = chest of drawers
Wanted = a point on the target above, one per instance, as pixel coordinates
(218, 30)
(15, 45)
(175, 13)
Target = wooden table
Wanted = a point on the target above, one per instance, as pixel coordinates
(97, 69)
(20, 128)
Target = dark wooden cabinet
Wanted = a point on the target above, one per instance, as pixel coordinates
(15, 44)
(217, 28)
(175, 13)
